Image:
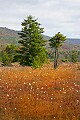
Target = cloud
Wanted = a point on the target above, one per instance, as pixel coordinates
(54, 15)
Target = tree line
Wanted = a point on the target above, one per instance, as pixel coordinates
(31, 50)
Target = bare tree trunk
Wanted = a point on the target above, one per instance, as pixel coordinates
(56, 58)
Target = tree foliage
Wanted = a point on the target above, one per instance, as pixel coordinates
(8, 54)
(55, 42)
(74, 56)
(32, 51)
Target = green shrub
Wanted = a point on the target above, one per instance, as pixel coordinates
(64, 60)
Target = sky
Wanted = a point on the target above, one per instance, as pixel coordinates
(54, 15)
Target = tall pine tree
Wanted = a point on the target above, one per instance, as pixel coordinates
(32, 50)
(55, 42)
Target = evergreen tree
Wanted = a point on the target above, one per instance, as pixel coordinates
(74, 56)
(5, 59)
(55, 42)
(32, 50)
(8, 54)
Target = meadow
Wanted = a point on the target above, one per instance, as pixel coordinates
(40, 94)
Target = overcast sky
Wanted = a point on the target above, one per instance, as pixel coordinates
(54, 15)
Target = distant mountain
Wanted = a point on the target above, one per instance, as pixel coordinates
(73, 41)
(8, 36)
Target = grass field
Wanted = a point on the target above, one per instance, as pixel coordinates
(40, 94)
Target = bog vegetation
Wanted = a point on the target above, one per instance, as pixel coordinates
(40, 94)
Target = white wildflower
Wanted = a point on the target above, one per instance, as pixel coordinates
(29, 83)
(63, 88)
(42, 88)
(77, 91)
(51, 98)
(31, 87)
(7, 95)
(33, 82)
(64, 92)
(77, 101)
(5, 108)
(24, 83)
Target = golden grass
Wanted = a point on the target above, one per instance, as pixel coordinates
(40, 94)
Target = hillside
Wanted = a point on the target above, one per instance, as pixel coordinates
(8, 36)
